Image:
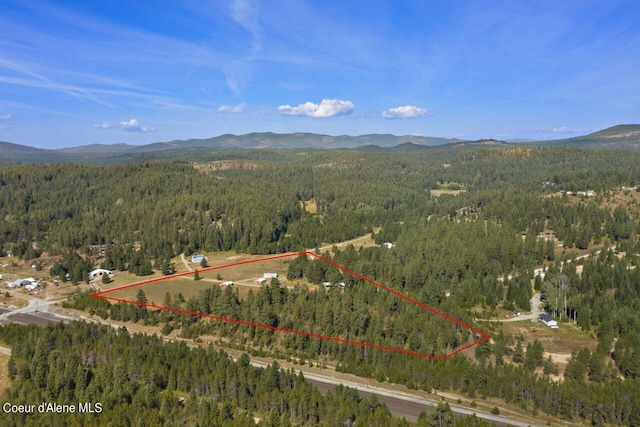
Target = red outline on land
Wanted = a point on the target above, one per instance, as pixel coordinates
(485, 336)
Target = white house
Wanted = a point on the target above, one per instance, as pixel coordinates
(229, 283)
(388, 245)
(270, 275)
(259, 281)
(98, 272)
(549, 321)
(18, 283)
(198, 258)
(32, 286)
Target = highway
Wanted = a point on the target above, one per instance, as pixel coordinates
(39, 318)
(400, 404)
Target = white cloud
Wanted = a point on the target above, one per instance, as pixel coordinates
(133, 126)
(327, 108)
(404, 112)
(245, 13)
(234, 109)
(238, 72)
(7, 116)
(103, 126)
(566, 129)
(130, 126)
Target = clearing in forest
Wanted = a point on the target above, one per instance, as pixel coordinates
(357, 311)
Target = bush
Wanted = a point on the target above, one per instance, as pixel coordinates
(495, 410)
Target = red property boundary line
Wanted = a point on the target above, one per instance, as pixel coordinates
(484, 336)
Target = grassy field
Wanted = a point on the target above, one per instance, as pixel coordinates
(12, 300)
(310, 206)
(242, 276)
(567, 338)
(453, 188)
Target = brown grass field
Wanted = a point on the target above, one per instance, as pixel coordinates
(440, 192)
(242, 276)
(567, 338)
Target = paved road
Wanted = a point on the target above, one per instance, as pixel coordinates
(38, 318)
(33, 306)
(400, 404)
(410, 406)
(403, 404)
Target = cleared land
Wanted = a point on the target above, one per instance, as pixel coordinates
(440, 192)
(242, 276)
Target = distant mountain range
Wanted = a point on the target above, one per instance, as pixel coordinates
(621, 136)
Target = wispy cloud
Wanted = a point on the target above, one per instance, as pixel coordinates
(245, 13)
(36, 80)
(234, 109)
(127, 125)
(104, 125)
(566, 129)
(327, 108)
(239, 72)
(404, 112)
(7, 116)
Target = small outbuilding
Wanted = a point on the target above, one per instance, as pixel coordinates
(259, 281)
(270, 275)
(549, 321)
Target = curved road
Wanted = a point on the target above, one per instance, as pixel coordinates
(401, 404)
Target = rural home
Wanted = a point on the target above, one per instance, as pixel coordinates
(549, 321)
(98, 272)
(270, 275)
(228, 283)
(18, 283)
(198, 258)
(259, 281)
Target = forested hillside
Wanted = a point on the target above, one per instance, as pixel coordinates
(139, 380)
(467, 227)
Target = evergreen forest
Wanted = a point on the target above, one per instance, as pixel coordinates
(465, 229)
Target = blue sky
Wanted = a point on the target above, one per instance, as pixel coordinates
(76, 73)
